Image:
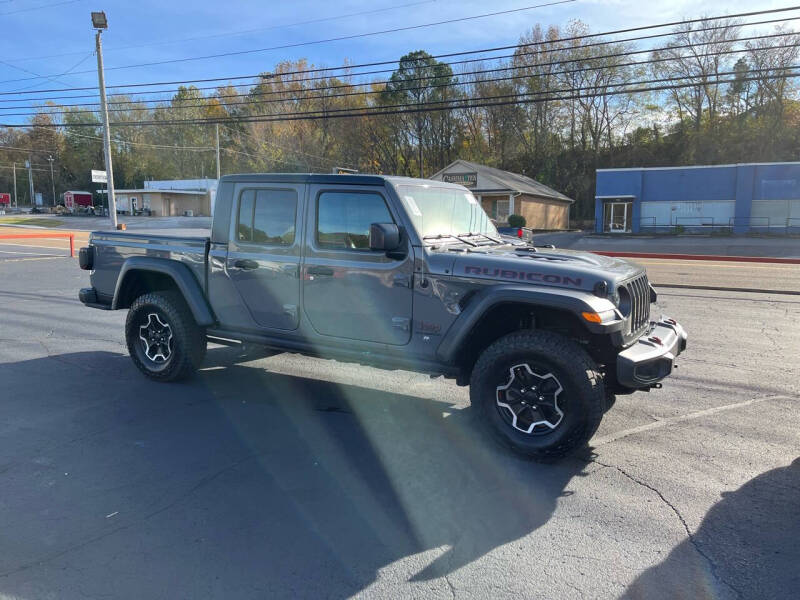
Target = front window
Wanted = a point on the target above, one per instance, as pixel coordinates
(444, 211)
(343, 219)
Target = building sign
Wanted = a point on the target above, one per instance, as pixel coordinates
(99, 176)
(465, 179)
(5, 198)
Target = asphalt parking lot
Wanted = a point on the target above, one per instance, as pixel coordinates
(294, 477)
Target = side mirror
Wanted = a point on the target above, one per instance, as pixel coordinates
(384, 236)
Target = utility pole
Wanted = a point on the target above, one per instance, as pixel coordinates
(52, 178)
(16, 204)
(216, 125)
(30, 180)
(99, 22)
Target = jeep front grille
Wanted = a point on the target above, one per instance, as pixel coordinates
(639, 291)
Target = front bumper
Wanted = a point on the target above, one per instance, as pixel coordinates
(652, 357)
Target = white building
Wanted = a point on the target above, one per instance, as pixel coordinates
(188, 185)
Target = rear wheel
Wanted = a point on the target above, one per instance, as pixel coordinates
(539, 393)
(163, 339)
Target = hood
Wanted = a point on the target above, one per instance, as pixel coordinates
(543, 266)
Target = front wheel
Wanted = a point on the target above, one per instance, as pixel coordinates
(164, 341)
(539, 393)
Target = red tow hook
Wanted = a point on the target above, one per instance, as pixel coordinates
(655, 340)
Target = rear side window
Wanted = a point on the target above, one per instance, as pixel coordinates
(267, 217)
(343, 219)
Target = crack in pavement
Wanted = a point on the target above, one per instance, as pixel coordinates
(690, 536)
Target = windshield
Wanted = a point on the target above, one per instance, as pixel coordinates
(444, 211)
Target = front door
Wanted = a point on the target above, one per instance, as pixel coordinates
(263, 259)
(618, 217)
(350, 291)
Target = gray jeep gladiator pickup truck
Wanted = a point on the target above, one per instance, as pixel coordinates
(397, 273)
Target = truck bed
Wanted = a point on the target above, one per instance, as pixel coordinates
(113, 247)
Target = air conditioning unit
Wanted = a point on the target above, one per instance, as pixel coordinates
(188, 213)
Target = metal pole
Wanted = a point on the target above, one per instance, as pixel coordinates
(216, 125)
(112, 201)
(16, 203)
(30, 180)
(52, 179)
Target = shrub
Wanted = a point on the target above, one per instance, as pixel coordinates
(516, 221)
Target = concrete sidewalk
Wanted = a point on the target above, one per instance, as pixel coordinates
(784, 246)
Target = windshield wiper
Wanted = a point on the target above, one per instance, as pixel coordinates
(473, 234)
(441, 236)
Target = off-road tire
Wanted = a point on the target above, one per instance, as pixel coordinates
(188, 346)
(583, 402)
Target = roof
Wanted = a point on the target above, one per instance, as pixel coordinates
(181, 184)
(682, 167)
(503, 181)
(148, 191)
(304, 178)
(327, 178)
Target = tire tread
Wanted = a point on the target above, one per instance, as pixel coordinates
(564, 350)
(191, 338)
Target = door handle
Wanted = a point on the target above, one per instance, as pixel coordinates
(290, 270)
(320, 271)
(245, 264)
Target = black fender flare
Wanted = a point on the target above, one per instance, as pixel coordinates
(572, 301)
(182, 276)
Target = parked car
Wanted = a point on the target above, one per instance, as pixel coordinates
(523, 233)
(398, 273)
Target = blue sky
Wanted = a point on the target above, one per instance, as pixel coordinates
(59, 36)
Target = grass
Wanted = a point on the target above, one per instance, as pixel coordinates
(30, 221)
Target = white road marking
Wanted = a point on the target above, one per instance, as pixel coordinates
(8, 260)
(26, 253)
(6, 243)
(670, 420)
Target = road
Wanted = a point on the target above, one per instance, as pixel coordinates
(759, 276)
(287, 476)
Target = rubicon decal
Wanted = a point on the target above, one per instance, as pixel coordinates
(523, 275)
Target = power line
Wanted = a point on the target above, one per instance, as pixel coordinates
(328, 40)
(30, 8)
(465, 52)
(454, 104)
(262, 141)
(295, 97)
(14, 149)
(232, 33)
(317, 90)
(131, 143)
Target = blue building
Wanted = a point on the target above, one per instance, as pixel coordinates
(754, 197)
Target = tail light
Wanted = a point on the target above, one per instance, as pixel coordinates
(519, 232)
(86, 258)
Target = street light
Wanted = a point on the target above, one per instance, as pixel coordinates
(99, 22)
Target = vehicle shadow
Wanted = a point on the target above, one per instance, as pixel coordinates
(748, 546)
(243, 482)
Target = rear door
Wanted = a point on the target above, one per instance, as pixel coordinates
(263, 260)
(349, 291)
